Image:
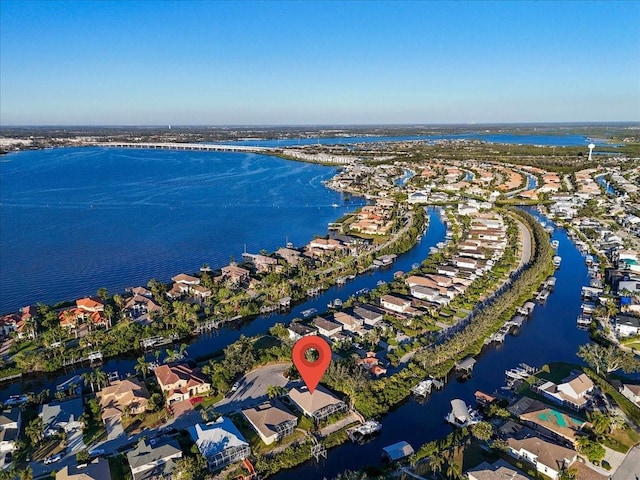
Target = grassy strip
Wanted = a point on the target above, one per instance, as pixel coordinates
(628, 407)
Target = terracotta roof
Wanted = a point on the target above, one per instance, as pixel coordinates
(184, 278)
(89, 303)
(171, 374)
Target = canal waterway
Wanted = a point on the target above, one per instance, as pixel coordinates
(606, 185)
(550, 335)
(218, 339)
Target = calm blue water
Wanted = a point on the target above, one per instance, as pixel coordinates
(607, 187)
(550, 335)
(217, 340)
(76, 219)
(550, 140)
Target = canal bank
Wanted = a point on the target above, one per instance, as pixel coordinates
(550, 335)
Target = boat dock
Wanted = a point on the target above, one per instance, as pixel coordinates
(425, 387)
(466, 365)
(369, 427)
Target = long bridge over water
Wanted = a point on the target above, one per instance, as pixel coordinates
(207, 147)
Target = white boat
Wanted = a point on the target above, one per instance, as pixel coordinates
(308, 313)
(583, 321)
(589, 260)
(555, 244)
(334, 205)
(556, 261)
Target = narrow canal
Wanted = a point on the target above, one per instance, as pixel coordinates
(211, 342)
(550, 335)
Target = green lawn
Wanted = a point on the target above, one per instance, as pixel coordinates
(119, 468)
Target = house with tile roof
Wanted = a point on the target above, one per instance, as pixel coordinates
(180, 382)
(130, 392)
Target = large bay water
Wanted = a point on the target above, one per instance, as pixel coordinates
(73, 220)
(567, 140)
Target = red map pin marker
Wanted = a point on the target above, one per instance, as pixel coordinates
(311, 372)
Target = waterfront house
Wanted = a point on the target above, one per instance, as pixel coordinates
(370, 315)
(298, 330)
(547, 420)
(219, 442)
(272, 421)
(58, 416)
(572, 391)
(140, 307)
(499, 470)
(10, 422)
(326, 328)
(632, 392)
(626, 325)
(289, 255)
(184, 279)
(418, 197)
(349, 323)
(262, 263)
(89, 310)
(447, 270)
(234, 274)
(180, 382)
(97, 469)
(548, 458)
(154, 461)
(396, 304)
(129, 393)
(9, 323)
(317, 405)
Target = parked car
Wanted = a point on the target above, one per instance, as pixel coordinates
(235, 387)
(53, 458)
(96, 452)
(8, 458)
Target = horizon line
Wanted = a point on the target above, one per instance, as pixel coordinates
(325, 125)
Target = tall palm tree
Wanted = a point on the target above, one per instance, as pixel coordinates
(143, 367)
(88, 378)
(101, 378)
(437, 461)
(453, 470)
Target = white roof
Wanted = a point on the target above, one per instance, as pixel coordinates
(216, 437)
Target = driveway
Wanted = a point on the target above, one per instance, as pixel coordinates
(253, 388)
(114, 428)
(630, 467)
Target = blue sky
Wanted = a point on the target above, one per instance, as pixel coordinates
(269, 62)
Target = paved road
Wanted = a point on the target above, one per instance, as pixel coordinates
(525, 240)
(253, 388)
(630, 467)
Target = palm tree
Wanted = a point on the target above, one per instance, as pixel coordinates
(35, 430)
(172, 356)
(142, 366)
(274, 391)
(437, 461)
(88, 378)
(453, 470)
(101, 378)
